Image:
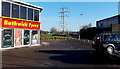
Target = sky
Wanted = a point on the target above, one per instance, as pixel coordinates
(70, 0)
(92, 12)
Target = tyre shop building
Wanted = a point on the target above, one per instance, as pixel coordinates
(19, 24)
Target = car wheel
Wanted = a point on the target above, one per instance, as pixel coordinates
(110, 50)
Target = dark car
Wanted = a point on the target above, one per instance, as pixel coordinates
(107, 42)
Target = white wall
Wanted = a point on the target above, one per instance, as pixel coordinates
(0, 37)
(0, 8)
(40, 27)
(0, 28)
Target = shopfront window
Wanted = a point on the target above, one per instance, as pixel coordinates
(26, 37)
(34, 37)
(6, 9)
(30, 14)
(18, 37)
(7, 37)
(36, 15)
(23, 12)
(15, 11)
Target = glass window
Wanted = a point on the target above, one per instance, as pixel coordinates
(18, 37)
(30, 14)
(34, 37)
(106, 36)
(6, 9)
(23, 12)
(26, 37)
(101, 24)
(36, 15)
(15, 11)
(112, 38)
(7, 38)
(118, 37)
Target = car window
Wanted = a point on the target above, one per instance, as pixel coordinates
(106, 37)
(112, 38)
(118, 37)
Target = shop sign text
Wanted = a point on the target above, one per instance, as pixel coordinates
(12, 23)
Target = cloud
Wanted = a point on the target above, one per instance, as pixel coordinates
(70, 0)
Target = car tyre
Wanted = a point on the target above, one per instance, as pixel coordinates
(110, 50)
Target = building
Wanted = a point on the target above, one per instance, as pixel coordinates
(106, 23)
(19, 24)
(89, 33)
(109, 24)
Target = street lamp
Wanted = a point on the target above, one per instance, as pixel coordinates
(80, 26)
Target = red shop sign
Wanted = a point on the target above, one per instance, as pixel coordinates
(20, 24)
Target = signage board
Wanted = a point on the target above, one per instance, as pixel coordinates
(19, 24)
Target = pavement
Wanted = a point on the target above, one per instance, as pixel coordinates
(57, 53)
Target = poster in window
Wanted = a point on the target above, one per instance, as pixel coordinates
(18, 37)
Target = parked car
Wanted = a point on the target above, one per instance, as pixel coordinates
(107, 42)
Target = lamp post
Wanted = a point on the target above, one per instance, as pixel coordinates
(80, 27)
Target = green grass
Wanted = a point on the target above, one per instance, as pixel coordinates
(50, 36)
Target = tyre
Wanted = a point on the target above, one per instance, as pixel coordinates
(110, 50)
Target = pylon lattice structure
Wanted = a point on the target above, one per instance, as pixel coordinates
(62, 19)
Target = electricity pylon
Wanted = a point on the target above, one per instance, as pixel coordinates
(62, 18)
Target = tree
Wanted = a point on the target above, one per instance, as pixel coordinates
(90, 25)
(87, 26)
(53, 30)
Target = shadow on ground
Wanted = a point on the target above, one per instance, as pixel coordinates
(80, 57)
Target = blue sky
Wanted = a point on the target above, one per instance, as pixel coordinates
(70, 0)
(92, 11)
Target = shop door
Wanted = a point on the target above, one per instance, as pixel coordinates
(26, 37)
(7, 38)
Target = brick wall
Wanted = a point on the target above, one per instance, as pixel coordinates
(116, 27)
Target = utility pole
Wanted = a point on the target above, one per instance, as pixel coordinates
(62, 18)
(80, 28)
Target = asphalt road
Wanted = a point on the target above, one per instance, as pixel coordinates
(58, 53)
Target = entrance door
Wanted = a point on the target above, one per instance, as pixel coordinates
(7, 38)
(26, 37)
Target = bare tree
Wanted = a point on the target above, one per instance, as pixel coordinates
(87, 26)
(53, 30)
(90, 25)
